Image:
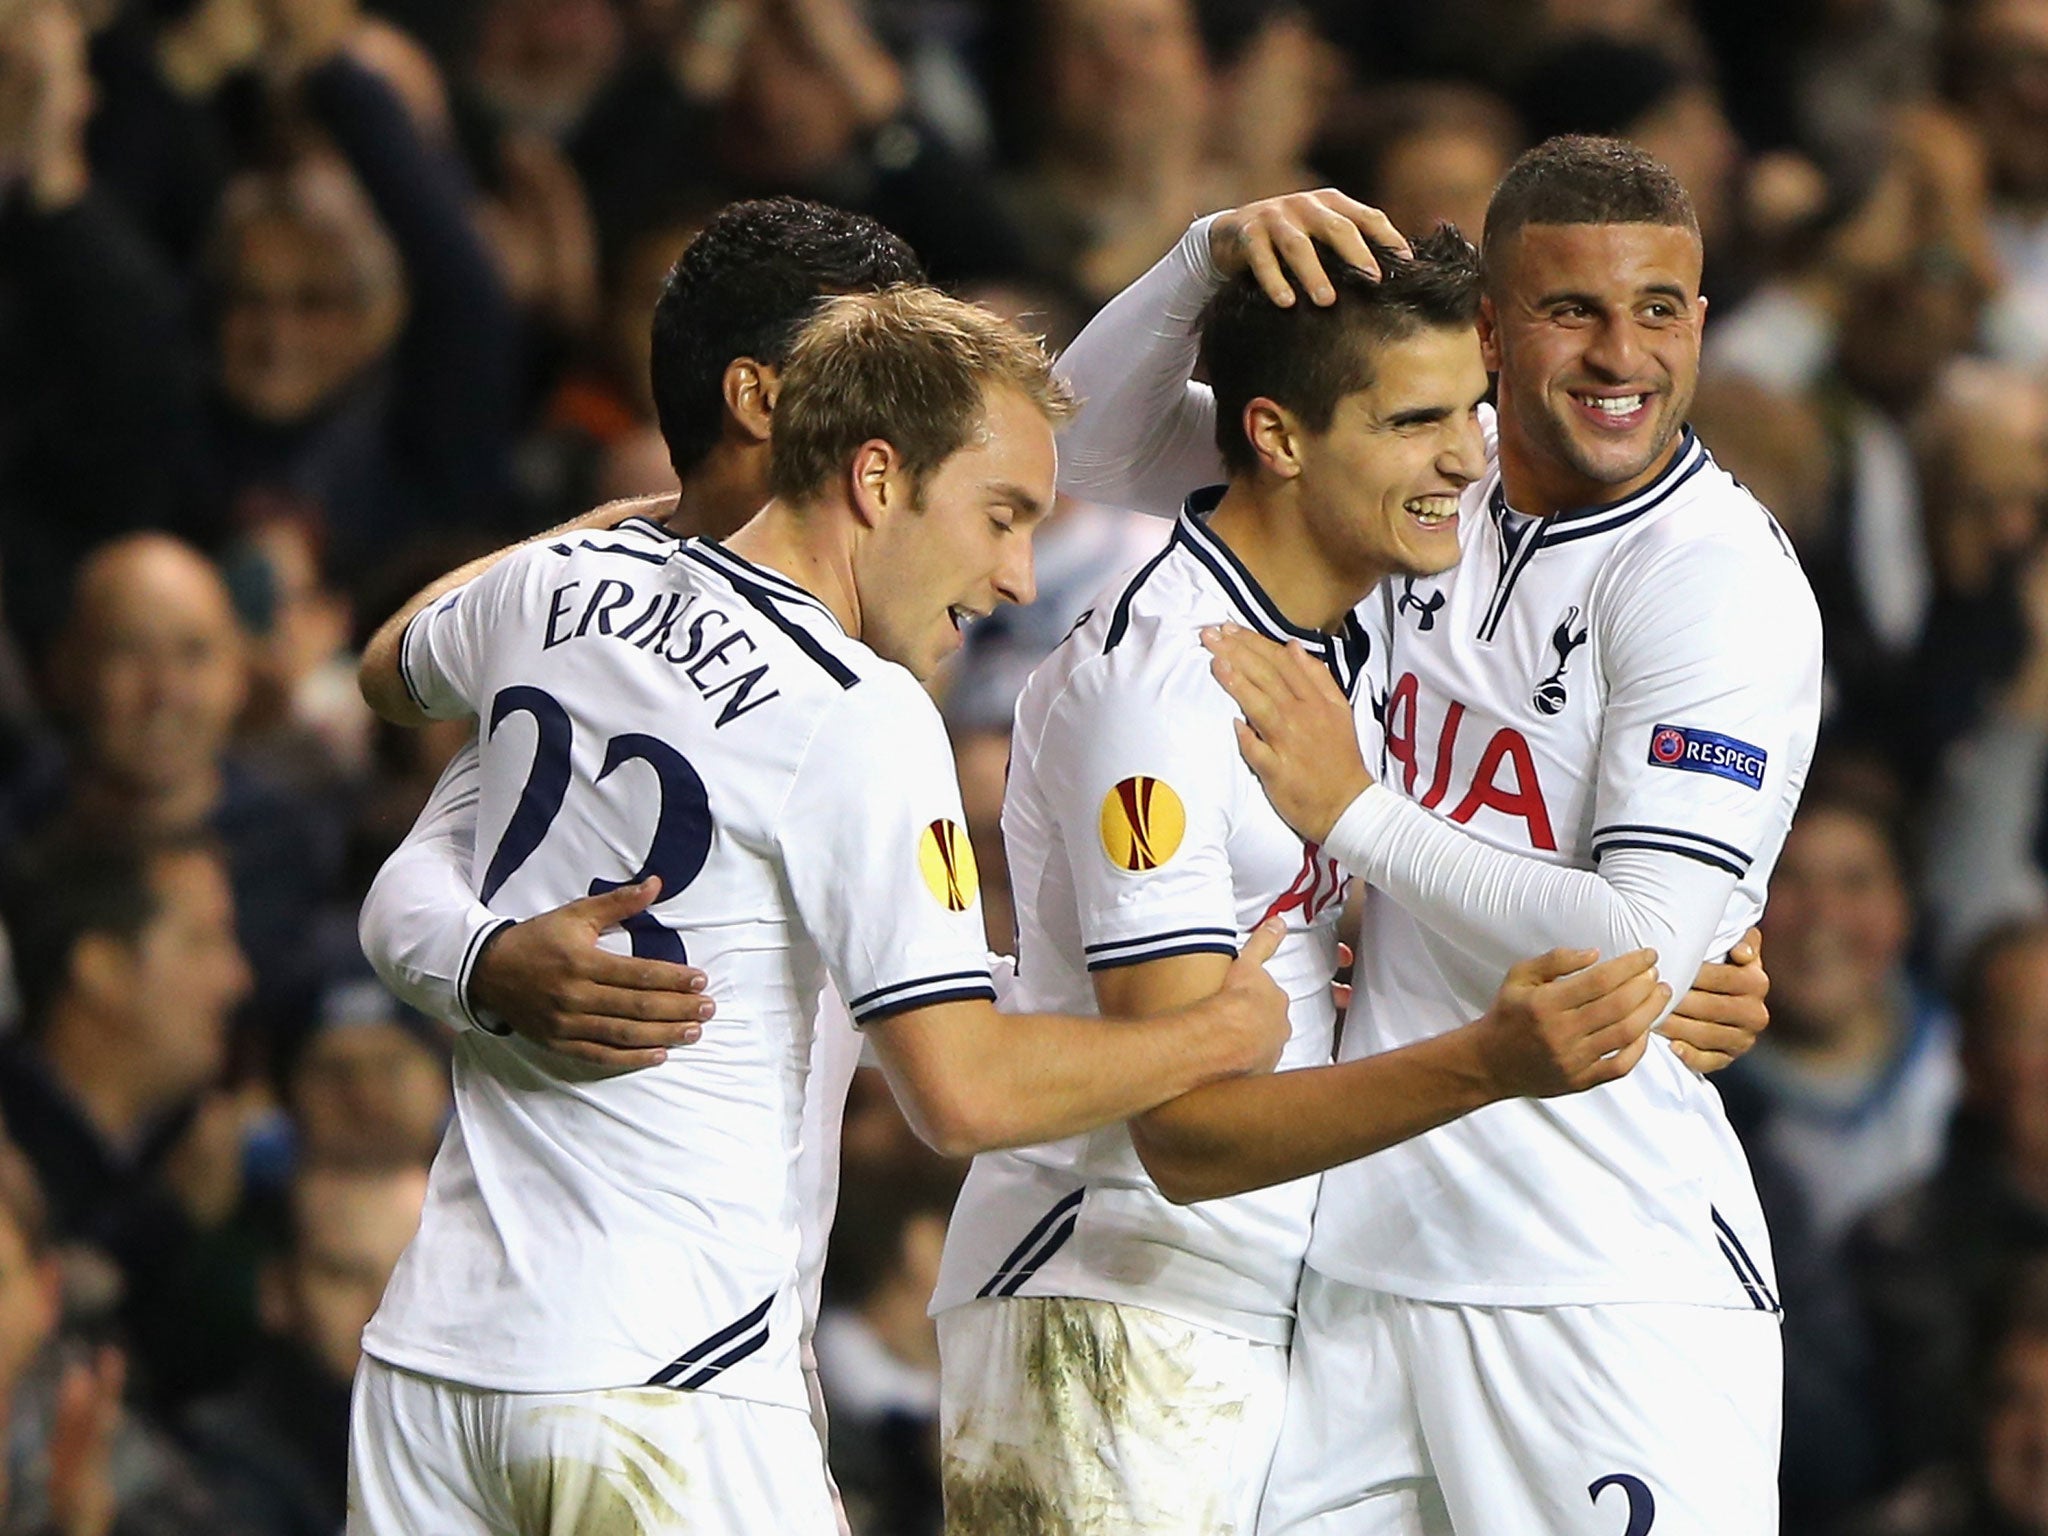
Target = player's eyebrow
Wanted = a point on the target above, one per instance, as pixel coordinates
(1420, 416)
(1026, 504)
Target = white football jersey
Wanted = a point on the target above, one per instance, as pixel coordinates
(1136, 832)
(1628, 687)
(655, 707)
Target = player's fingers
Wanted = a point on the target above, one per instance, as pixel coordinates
(593, 1054)
(628, 1034)
(1744, 1013)
(1263, 940)
(1749, 949)
(1340, 995)
(1623, 1061)
(1344, 954)
(1342, 235)
(1265, 265)
(1576, 990)
(1698, 1036)
(633, 973)
(668, 1009)
(1550, 965)
(611, 908)
(1299, 252)
(1367, 220)
(1619, 1003)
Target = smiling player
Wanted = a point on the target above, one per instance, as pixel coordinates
(1593, 730)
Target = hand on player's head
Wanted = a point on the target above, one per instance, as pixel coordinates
(1277, 237)
(1562, 1023)
(1297, 733)
(1720, 1018)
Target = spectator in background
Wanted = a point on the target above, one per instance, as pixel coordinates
(126, 959)
(99, 394)
(151, 676)
(1985, 856)
(305, 724)
(276, 1447)
(370, 1085)
(1429, 154)
(793, 96)
(1933, 1263)
(365, 345)
(1852, 1090)
(2002, 85)
(878, 1353)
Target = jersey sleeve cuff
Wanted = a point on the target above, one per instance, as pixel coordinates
(412, 690)
(923, 992)
(1656, 839)
(1111, 954)
(475, 1017)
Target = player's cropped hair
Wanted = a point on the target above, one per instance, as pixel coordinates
(908, 366)
(1307, 357)
(743, 288)
(1578, 178)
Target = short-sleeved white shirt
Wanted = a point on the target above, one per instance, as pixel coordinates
(1643, 675)
(655, 707)
(1136, 832)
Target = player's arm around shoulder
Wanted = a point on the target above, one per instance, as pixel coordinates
(1561, 1023)
(380, 675)
(970, 1079)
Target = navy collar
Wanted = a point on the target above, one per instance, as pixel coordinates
(1343, 653)
(738, 569)
(1605, 517)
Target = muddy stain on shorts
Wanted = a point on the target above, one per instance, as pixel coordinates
(1000, 1499)
(567, 1495)
(1078, 1350)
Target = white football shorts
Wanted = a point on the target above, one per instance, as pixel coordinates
(1100, 1419)
(1410, 1418)
(433, 1458)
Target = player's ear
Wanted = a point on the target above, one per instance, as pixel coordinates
(1275, 436)
(1489, 334)
(879, 484)
(750, 387)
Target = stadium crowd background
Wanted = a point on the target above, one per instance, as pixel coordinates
(304, 301)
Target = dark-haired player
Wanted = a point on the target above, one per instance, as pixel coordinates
(1145, 850)
(1554, 1315)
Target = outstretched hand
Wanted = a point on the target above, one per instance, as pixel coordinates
(1276, 236)
(549, 981)
(1297, 734)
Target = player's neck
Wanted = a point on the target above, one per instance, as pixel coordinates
(810, 549)
(1536, 484)
(720, 495)
(1264, 528)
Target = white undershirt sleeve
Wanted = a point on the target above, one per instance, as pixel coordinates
(421, 925)
(1503, 907)
(1710, 663)
(1145, 435)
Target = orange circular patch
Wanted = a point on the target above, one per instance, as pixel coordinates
(946, 860)
(1143, 822)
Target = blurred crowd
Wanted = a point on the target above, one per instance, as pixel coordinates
(303, 302)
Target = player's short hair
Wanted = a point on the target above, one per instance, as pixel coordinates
(70, 885)
(743, 288)
(1307, 357)
(908, 366)
(1578, 178)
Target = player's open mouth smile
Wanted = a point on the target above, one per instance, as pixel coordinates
(961, 616)
(1433, 512)
(1615, 412)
